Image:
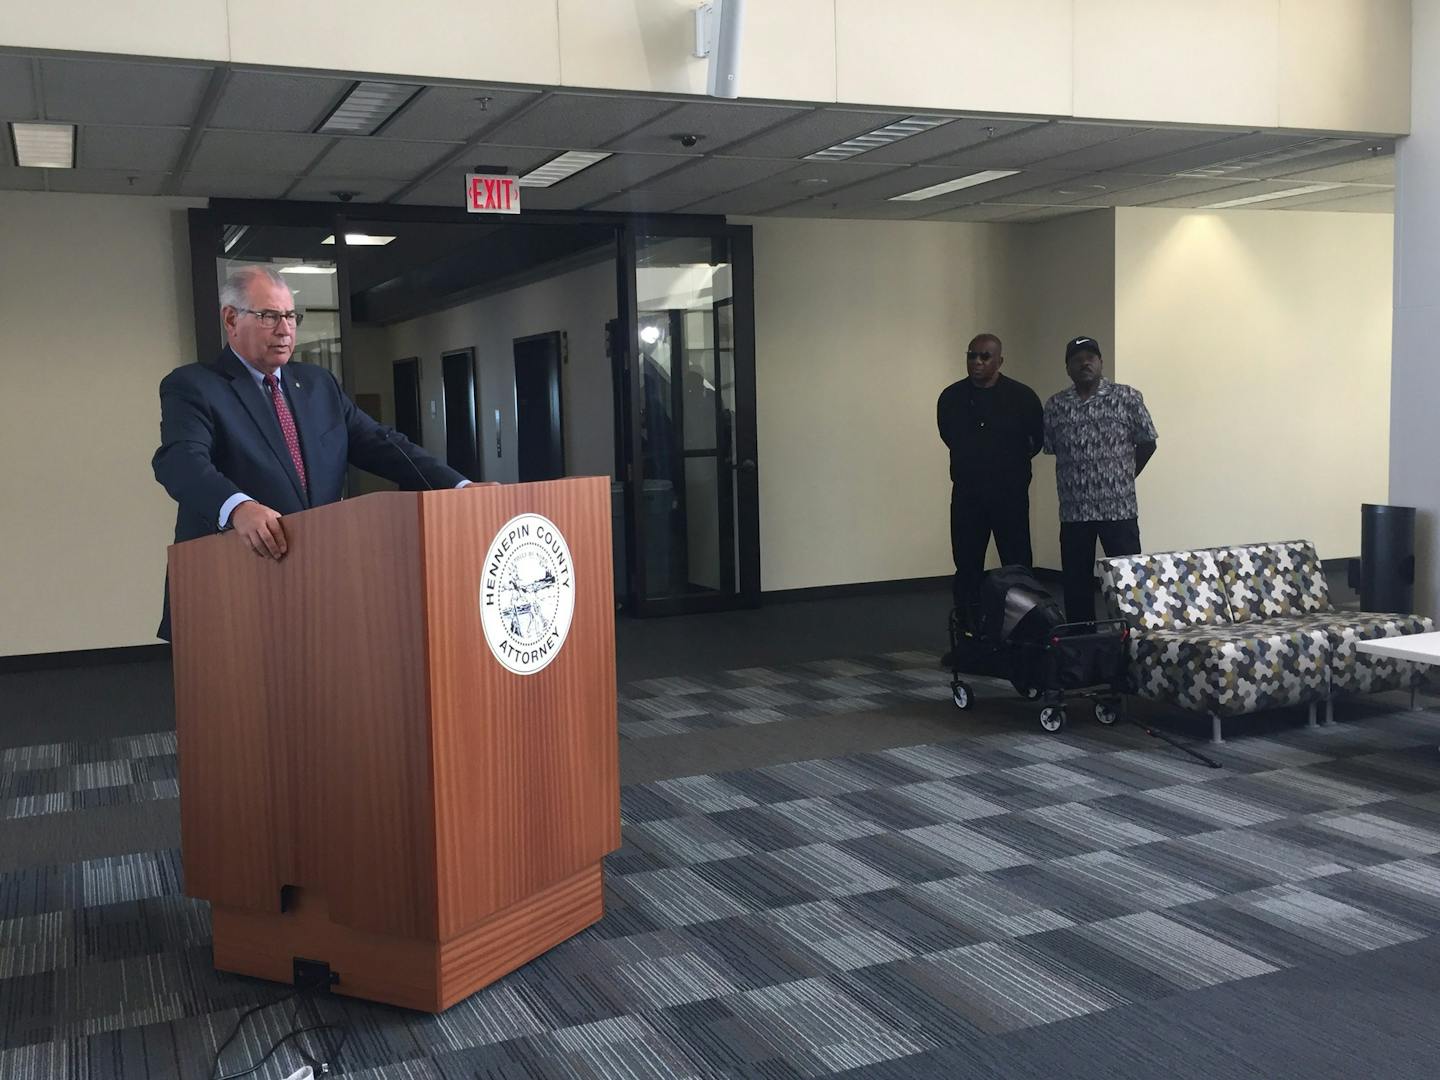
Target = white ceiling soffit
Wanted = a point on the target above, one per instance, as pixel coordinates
(152, 127)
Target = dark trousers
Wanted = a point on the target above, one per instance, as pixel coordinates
(1077, 559)
(974, 516)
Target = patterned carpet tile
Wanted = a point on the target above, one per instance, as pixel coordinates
(795, 920)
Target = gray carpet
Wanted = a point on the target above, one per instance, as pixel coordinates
(852, 878)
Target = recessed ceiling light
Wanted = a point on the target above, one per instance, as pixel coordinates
(366, 107)
(813, 180)
(561, 168)
(44, 146)
(883, 136)
(954, 185)
(1082, 189)
(360, 239)
(1287, 193)
(301, 268)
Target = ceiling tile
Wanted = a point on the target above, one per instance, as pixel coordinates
(812, 131)
(600, 181)
(1160, 190)
(1356, 153)
(758, 199)
(579, 121)
(233, 185)
(813, 179)
(1374, 202)
(709, 176)
(947, 139)
(1035, 144)
(257, 153)
(13, 178)
(1139, 146)
(642, 202)
(719, 124)
(1378, 169)
(1197, 158)
(922, 176)
(980, 212)
(387, 159)
(17, 89)
(826, 208)
(108, 92)
(134, 148)
(1088, 189)
(270, 101)
(1048, 213)
(322, 189)
(1242, 190)
(107, 181)
(453, 113)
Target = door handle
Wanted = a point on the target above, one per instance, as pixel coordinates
(748, 465)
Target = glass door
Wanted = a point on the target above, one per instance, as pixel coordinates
(687, 446)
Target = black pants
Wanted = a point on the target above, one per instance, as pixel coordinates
(974, 516)
(1077, 559)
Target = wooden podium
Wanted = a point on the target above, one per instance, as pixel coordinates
(362, 782)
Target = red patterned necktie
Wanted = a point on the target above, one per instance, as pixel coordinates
(287, 428)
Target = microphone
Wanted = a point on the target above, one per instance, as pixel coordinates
(387, 434)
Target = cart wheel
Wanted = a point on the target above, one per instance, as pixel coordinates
(960, 693)
(1106, 712)
(1052, 718)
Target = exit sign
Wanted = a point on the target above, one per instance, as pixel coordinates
(491, 194)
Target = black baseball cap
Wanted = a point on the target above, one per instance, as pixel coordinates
(1081, 344)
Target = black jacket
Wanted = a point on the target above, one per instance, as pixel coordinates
(992, 434)
(219, 436)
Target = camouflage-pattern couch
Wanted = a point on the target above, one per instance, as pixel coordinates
(1230, 631)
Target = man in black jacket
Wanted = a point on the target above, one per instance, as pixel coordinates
(254, 435)
(993, 427)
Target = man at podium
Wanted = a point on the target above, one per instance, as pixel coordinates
(253, 435)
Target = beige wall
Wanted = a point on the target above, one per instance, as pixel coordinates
(1261, 341)
(94, 310)
(859, 325)
(1320, 64)
(1065, 282)
(579, 302)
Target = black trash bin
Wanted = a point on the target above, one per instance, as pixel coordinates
(1386, 577)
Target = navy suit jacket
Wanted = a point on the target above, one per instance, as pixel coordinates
(219, 436)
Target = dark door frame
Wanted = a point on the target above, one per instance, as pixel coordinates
(557, 394)
(413, 363)
(466, 356)
(206, 246)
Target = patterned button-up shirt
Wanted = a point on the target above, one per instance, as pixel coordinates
(1094, 444)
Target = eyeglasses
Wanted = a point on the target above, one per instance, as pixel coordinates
(973, 355)
(270, 319)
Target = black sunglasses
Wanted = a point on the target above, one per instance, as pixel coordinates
(973, 355)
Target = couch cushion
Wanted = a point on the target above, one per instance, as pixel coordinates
(1232, 668)
(1167, 590)
(1262, 581)
(1351, 669)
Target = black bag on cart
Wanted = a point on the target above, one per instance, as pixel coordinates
(1015, 608)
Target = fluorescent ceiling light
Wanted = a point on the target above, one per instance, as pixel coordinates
(954, 185)
(301, 268)
(561, 168)
(360, 239)
(901, 129)
(366, 107)
(44, 146)
(1287, 193)
(233, 235)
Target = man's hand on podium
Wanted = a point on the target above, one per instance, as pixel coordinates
(260, 527)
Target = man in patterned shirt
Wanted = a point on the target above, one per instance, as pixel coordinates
(1101, 435)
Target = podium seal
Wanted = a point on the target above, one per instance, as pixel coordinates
(527, 593)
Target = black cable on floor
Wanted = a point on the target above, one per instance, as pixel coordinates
(331, 1052)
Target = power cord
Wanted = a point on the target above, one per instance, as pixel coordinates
(321, 1066)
